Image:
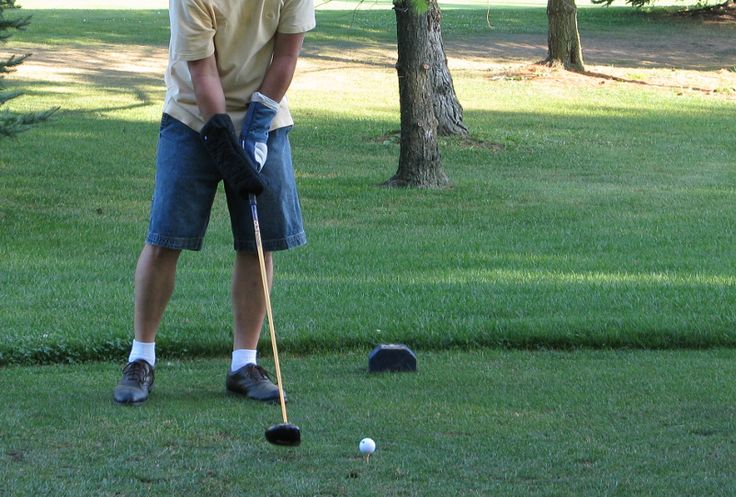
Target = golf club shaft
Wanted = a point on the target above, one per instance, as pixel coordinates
(267, 297)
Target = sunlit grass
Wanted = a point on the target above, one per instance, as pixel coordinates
(598, 218)
(586, 216)
(544, 277)
(512, 423)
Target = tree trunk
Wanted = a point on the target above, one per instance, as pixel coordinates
(447, 108)
(420, 164)
(563, 38)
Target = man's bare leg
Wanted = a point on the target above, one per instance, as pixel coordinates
(249, 311)
(154, 284)
(249, 305)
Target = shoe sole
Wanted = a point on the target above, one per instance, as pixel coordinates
(133, 403)
(127, 403)
(234, 393)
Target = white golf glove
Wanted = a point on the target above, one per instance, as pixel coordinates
(254, 134)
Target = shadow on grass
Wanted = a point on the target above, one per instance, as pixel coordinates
(541, 245)
(616, 36)
(87, 28)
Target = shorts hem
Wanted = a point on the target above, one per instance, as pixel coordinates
(287, 243)
(174, 243)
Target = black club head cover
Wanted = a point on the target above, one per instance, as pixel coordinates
(222, 144)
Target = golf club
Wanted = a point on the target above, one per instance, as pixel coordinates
(283, 433)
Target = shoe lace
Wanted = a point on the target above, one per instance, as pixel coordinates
(135, 371)
(258, 373)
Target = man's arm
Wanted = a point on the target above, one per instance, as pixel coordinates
(264, 104)
(218, 132)
(281, 71)
(207, 87)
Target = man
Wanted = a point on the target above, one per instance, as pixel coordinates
(230, 64)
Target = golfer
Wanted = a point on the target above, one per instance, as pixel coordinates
(230, 64)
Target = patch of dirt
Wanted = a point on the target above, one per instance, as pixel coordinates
(703, 61)
(468, 142)
(103, 65)
(721, 83)
(724, 13)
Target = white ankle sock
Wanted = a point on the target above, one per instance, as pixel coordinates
(241, 357)
(143, 350)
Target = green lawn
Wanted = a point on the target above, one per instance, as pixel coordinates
(604, 220)
(580, 217)
(512, 423)
(367, 24)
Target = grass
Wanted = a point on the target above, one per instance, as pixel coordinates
(89, 28)
(481, 423)
(601, 222)
(363, 25)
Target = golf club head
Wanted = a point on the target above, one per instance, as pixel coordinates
(284, 434)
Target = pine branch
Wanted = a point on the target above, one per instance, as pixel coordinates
(11, 123)
(14, 60)
(19, 23)
(9, 95)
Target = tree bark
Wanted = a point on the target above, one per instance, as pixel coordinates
(420, 164)
(563, 38)
(447, 108)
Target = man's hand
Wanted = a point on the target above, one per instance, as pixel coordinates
(239, 173)
(265, 102)
(254, 135)
(207, 86)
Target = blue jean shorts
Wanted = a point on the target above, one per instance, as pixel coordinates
(186, 184)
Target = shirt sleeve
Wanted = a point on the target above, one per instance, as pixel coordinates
(297, 16)
(193, 26)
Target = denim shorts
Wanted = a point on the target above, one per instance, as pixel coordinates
(187, 181)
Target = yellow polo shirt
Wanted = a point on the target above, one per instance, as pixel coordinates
(242, 33)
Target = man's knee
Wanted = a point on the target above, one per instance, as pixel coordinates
(157, 254)
(252, 257)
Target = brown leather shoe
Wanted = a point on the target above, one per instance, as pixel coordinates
(253, 382)
(136, 384)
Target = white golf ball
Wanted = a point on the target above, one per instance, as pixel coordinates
(367, 446)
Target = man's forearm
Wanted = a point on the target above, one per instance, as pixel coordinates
(278, 78)
(207, 87)
(281, 71)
